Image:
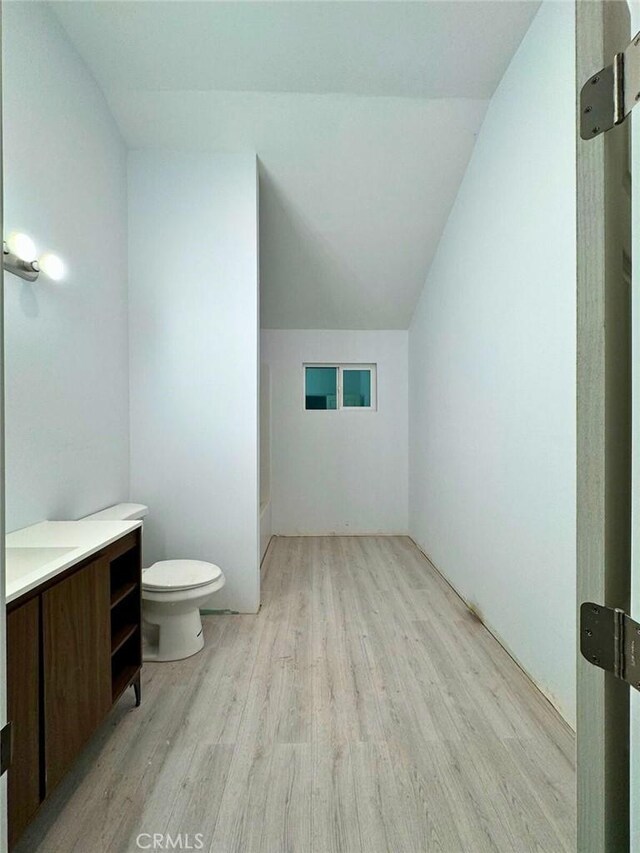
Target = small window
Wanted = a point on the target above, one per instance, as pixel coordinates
(340, 386)
(356, 388)
(321, 391)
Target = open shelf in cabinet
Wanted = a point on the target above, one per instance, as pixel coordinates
(121, 636)
(126, 616)
(121, 592)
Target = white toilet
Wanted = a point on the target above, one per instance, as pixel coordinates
(173, 591)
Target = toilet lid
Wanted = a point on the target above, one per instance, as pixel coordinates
(179, 574)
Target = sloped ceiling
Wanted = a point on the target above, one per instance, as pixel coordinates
(363, 116)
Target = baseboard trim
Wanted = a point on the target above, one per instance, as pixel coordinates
(224, 612)
(337, 535)
(496, 636)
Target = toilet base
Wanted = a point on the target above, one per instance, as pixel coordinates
(172, 628)
(170, 633)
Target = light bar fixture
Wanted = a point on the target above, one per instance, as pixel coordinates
(20, 257)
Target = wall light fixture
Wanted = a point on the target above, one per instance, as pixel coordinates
(20, 257)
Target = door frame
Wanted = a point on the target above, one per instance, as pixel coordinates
(603, 435)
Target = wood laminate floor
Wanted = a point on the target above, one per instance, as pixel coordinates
(363, 709)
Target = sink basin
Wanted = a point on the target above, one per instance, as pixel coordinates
(23, 561)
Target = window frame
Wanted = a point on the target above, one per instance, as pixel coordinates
(340, 367)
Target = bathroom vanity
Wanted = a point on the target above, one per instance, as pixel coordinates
(74, 645)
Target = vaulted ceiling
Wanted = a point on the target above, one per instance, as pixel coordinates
(363, 116)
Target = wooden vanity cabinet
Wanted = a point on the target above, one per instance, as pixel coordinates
(73, 647)
(23, 709)
(76, 651)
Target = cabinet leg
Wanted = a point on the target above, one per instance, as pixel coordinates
(136, 690)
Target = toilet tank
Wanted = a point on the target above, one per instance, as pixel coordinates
(119, 512)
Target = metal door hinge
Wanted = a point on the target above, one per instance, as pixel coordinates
(6, 748)
(611, 640)
(608, 97)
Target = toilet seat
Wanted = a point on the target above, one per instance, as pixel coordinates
(173, 575)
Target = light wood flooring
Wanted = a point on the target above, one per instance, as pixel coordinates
(363, 709)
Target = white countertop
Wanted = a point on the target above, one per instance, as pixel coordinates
(38, 553)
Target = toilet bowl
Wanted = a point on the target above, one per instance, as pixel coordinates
(173, 591)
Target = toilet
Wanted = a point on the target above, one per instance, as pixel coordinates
(173, 591)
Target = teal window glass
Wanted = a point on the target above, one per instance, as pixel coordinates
(356, 389)
(321, 387)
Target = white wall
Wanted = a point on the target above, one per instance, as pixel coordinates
(338, 471)
(66, 344)
(492, 369)
(193, 250)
